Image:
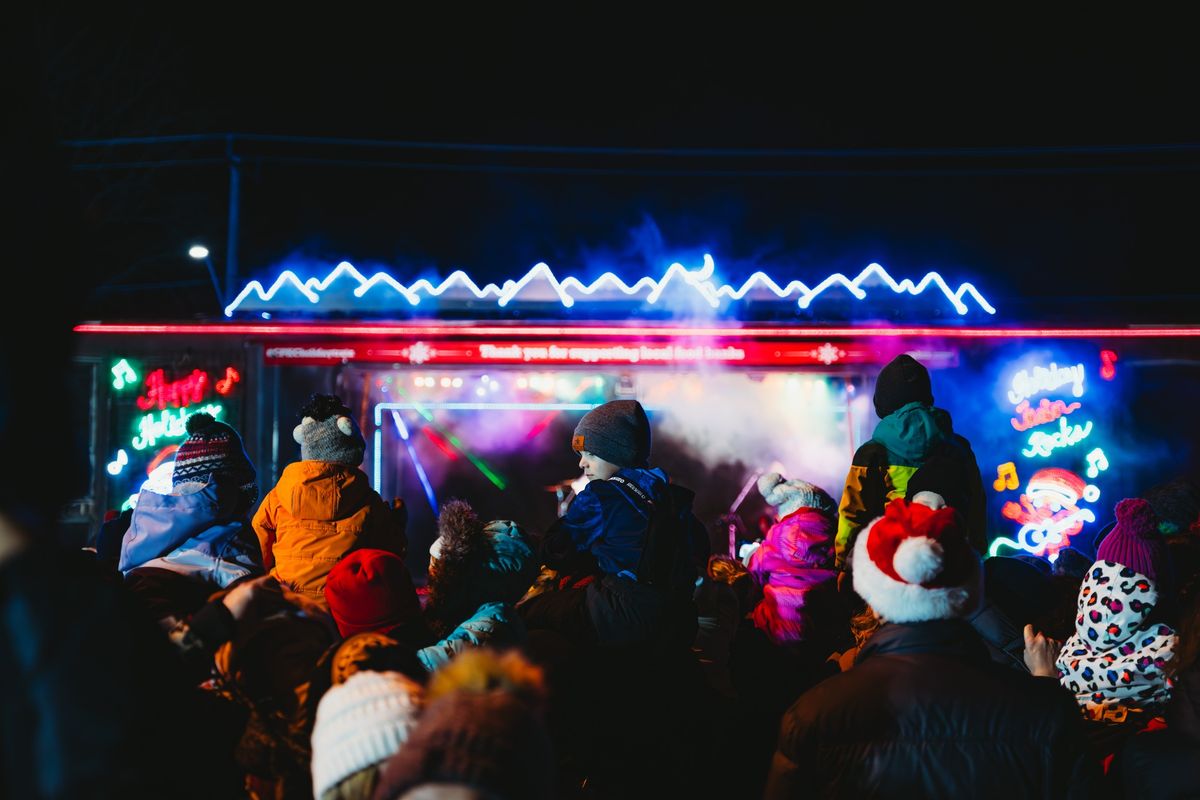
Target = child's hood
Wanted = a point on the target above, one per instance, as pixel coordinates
(322, 490)
(1114, 602)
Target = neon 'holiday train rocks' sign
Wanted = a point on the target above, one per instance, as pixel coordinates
(1054, 446)
(150, 420)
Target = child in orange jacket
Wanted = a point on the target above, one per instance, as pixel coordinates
(323, 506)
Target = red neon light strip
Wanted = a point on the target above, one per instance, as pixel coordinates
(540, 426)
(631, 331)
(169, 450)
(440, 444)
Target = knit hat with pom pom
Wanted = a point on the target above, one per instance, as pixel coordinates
(1135, 542)
(914, 563)
(213, 450)
(788, 496)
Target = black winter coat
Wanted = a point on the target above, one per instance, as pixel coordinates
(1166, 763)
(94, 700)
(924, 712)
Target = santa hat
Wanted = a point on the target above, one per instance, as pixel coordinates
(914, 564)
(788, 496)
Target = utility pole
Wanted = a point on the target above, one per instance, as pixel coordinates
(231, 238)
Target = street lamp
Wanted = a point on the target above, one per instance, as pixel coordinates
(200, 253)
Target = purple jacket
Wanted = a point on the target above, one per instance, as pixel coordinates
(794, 565)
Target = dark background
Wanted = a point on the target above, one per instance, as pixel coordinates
(1052, 162)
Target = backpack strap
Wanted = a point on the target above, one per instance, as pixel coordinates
(647, 502)
(642, 501)
(664, 534)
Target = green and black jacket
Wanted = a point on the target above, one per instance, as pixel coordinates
(883, 466)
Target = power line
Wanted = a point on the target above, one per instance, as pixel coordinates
(669, 152)
(530, 169)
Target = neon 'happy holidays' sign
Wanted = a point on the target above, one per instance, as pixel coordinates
(162, 406)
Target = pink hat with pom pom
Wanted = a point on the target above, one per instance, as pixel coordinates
(1135, 542)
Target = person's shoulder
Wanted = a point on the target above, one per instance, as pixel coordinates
(595, 488)
(871, 453)
(835, 694)
(1031, 695)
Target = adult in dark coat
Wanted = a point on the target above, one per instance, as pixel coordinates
(1166, 762)
(925, 712)
(93, 699)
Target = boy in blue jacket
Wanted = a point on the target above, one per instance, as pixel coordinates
(632, 536)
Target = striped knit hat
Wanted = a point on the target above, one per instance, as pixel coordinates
(361, 723)
(213, 448)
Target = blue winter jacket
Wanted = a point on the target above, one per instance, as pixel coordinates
(610, 521)
(192, 534)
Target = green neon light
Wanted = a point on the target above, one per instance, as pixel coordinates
(123, 375)
(1043, 444)
(1009, 543)
(168, 424)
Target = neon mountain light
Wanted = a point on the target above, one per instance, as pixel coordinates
(347, 289)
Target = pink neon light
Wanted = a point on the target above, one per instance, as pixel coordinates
(579, 352)
(184, 392)
(1108, 361)
(540, 426)
(1045, 412)
(466, 329)
(225, 385)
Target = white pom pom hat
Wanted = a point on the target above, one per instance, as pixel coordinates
(360, 723)
(914, 564)
(788, 496)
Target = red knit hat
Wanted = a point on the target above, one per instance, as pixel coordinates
(371, 590)
(914, 564)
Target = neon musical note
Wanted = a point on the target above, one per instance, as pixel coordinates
(1097, 463)
(225, 385)
(123, 375)
(1006, 477)
(1108, 361)
(115, 466)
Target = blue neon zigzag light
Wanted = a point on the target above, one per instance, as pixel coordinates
(571, 289)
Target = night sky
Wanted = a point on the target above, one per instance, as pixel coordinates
(1054, 234)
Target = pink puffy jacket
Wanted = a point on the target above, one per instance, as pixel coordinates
(794, 565)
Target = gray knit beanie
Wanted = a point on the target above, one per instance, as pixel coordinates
(329, 432)
(617, 432)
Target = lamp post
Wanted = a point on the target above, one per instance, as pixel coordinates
(200, 253)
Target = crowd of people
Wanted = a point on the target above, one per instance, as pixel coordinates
(213, 644)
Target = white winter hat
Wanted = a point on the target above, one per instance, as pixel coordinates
(914, 564)
(788, 496)
(360, 723)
